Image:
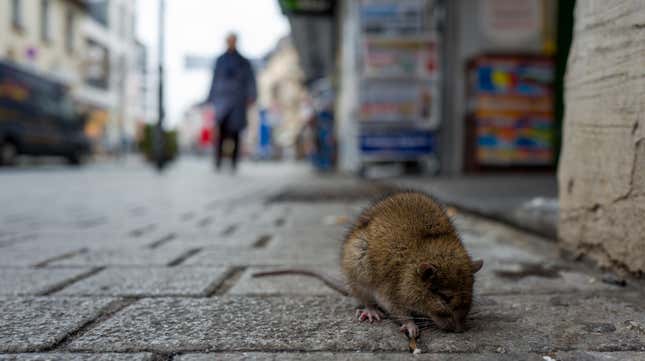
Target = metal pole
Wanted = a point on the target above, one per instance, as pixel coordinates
(159, 151)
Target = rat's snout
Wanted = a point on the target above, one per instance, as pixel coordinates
(460, 323)
(460, 327)
(451, 323)
(447, 324)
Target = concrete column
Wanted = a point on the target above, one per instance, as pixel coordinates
(602, 169)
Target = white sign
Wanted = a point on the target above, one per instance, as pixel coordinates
(510, 22)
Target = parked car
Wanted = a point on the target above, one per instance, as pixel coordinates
(37, 117)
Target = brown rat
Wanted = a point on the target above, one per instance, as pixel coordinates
(403, 255)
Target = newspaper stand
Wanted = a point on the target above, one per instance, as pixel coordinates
(399, 83)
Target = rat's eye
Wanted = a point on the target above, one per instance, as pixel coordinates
(445, 297)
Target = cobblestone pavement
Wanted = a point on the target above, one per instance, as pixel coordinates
(113, 262)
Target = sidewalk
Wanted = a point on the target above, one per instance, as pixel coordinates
(525, 201)
(127, 265)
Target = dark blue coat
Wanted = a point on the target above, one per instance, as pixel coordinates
(232, 88)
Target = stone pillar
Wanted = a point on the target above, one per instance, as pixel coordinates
(602, 168)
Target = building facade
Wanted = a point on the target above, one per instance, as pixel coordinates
(90, 46)
(281, 95)
(111, 88)
(44, 36)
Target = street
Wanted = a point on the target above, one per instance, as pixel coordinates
(115, 262)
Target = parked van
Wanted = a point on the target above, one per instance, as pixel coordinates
(37, 117)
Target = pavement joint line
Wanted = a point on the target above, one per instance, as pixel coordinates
(138, 232)
(215, 285)
(228, 281)
(70, 254)
(183, 257)
(262, 241)
(91, 223)
(229, 230)
(205, 222)
(163, 240)
(13, 240)
(104, 314)
(61, 285)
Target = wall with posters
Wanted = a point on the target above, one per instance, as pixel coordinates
(474, 28)
(396, 75)
(510, 111)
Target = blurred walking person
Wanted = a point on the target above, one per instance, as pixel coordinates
(232, 90)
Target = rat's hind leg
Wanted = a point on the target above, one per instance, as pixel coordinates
(370, 312)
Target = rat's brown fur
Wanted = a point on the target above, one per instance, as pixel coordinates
(404, 255)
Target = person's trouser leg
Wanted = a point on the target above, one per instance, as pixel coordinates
(235, 137)
(220, 145)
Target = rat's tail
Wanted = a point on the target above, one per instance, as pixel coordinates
(333, 282)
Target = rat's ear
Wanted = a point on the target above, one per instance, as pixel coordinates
(477, 265)
(426, 271)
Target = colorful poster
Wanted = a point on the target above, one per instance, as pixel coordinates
(508, 141)
(511, 104)
(508, 76)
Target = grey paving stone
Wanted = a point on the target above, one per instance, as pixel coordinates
(93, 240)
(328, 235)
(78, 357)
(503, 277)
(153, 281)
(229, 256)
(242, 239)
(493, 252)
(543, 323)
(29, 281)
(320, 255)
(359, 356)
(31, 324)
(507, 324)
(161, 256)
(281, 285)
(600, 356)
(236, 323)
(304, 215)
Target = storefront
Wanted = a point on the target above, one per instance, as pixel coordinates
(454, 85)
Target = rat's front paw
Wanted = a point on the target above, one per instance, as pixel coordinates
(369, 313)
(410, 328)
